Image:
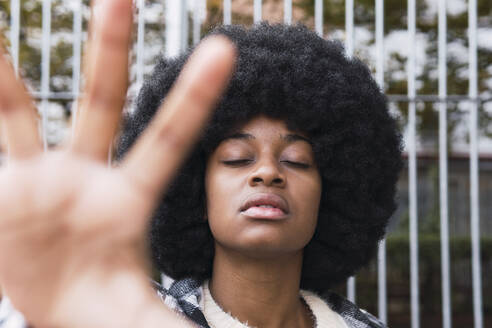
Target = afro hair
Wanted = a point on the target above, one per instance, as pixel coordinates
(288, 73)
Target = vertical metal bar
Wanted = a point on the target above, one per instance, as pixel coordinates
(382, 293)
(77, 49)
(227, 12)
(140, 42)
(443, 167)
(412, 170)
(349, 26)
(318, 17)
(349, 45)
(45, 67)
(351, 289)
(184, 25)
(288, 12)
(257, 11)
(474, 172)
(14, 32)
(380, 43)
(173, 27)
(197, 21)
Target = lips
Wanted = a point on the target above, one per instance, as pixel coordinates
(265, 206)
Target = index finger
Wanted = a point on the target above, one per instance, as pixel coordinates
(17, 112)
(106, 70)
(155, 157)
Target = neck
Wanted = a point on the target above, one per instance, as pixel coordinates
(261, 291)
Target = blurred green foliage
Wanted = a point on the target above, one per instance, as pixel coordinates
(395, 19)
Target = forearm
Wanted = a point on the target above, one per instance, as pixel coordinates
(158, 315)
(150, 315)
(120, 302)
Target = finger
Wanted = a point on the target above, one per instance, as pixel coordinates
(17, 113)
(107, 77)
(164, 144)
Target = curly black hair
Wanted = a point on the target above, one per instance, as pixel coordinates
(289, 73)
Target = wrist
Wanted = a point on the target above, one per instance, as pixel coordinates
(156, 314)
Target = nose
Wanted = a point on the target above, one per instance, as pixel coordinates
(268, 173)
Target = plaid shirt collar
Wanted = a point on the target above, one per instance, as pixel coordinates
(184, 296)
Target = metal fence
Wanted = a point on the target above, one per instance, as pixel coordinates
(177, 32)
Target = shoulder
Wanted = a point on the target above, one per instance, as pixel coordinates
(185, 296)
(351, 313)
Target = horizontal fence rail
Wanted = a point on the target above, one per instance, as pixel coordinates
(179, 34)
(393, 98)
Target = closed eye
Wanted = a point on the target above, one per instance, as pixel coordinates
(296, 164)
(237, 162)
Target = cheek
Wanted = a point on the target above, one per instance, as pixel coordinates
(221, 210)
(221, 204)
(214, 197)
(308, 201)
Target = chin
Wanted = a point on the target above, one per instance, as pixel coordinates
(264, 247)
(263, 239)
(264, 252)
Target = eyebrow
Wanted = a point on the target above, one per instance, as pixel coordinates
(295, 137)
(290, 138)
(240, 136)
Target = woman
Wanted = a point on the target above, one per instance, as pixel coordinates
(288, 191)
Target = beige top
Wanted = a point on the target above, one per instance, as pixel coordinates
(324, 316)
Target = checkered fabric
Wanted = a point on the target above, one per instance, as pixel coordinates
(184, 296)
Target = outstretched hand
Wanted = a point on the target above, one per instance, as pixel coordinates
(72, 230)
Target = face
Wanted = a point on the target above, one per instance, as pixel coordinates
(263, 189)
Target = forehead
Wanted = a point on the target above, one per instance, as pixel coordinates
(264, 123)
(266, 127)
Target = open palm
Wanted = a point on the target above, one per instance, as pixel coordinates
(72, 230)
